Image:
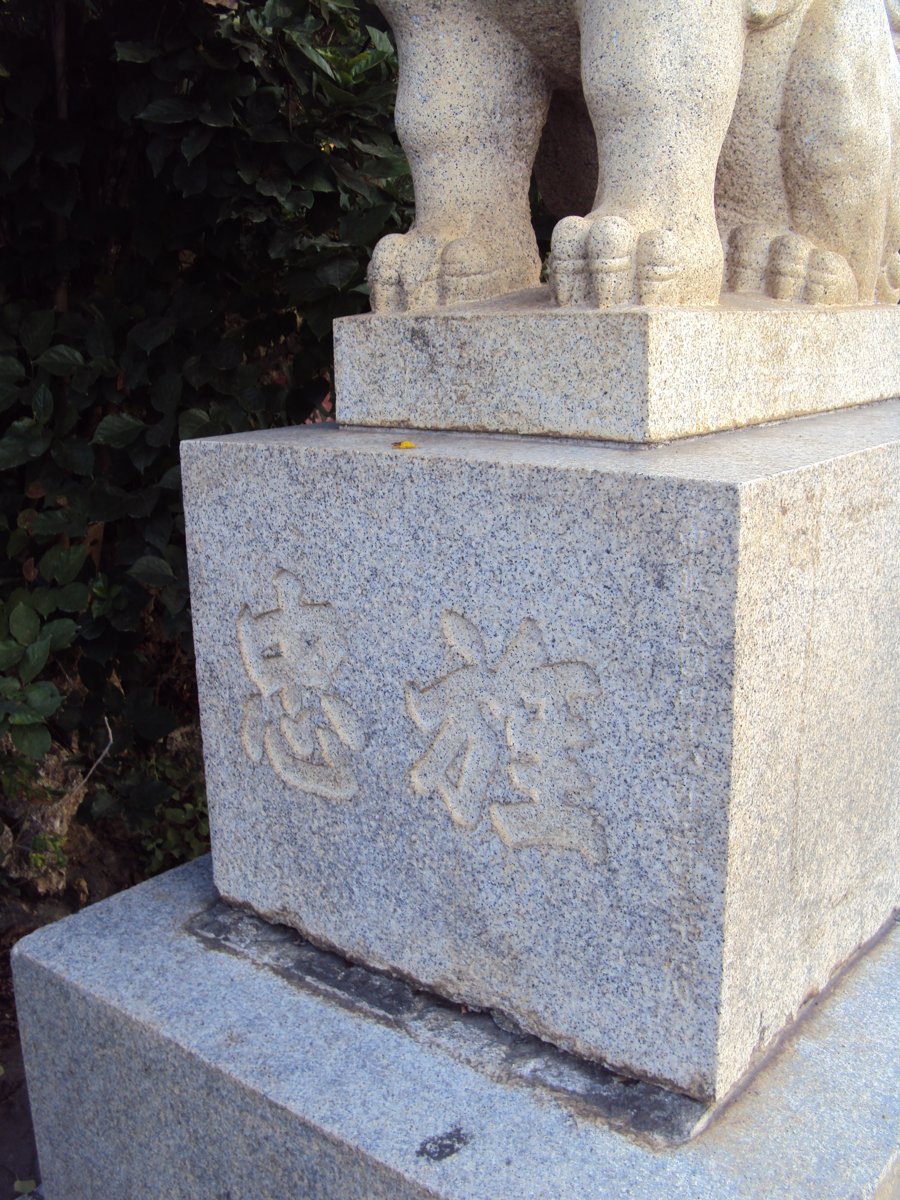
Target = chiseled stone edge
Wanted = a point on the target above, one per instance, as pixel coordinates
(646, 1111)
(632, 375)
(122, 994)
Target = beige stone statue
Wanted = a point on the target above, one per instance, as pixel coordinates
(747, 144)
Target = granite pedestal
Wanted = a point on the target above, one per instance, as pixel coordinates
(602, 740)
(520, 364)
(179, 1050)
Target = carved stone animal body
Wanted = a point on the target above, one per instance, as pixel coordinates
(687, 145)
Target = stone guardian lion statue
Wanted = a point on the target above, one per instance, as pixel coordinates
(687, 145)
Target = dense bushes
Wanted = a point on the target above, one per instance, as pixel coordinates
(189, 191)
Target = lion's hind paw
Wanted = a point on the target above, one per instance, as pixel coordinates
(786, 266)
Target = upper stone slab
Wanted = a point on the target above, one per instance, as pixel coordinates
(521, 364)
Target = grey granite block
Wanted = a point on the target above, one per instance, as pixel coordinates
(176, 1052)
(600, 739)
(521, 365)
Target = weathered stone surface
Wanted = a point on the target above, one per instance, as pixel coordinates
(753, 142)
(598, 738)
(161, 1068)
(522, 365)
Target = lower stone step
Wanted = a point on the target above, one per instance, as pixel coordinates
(182, 1050)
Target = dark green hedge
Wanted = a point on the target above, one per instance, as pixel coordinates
(189, 193)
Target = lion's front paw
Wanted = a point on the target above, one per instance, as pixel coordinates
(414, 271)
(606, 260)
(786, 266)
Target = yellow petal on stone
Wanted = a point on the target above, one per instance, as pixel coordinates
(403, 445)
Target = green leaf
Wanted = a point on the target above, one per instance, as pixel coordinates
(54, 521)
(34, 742)
(43, 600)
(42, 404)
(36, 332)
(158, 150)
(118, 429)
(24, 93)
(151, 334)
(361, 228)
(191, 178)
(217, 114)
(136, 52)
(60, 360)
(21, 714)
(61, 633)
(10, 654)
(152, 571)
(24, 441)
(18, 541)
(43, 698)
(66, 146)
(16, 145)
(34, 660)
(11, 370)
(24, 624)
(277, 188)
(161, 433)
(9, 395)
(61, 564)
(171, 479)
(196, 142)
(194, 422)
(380, 40)
(99, 341)
(170, 110)
(166, 393)
(73, 454)
(73, 597)
(150, 720)
(338, 272)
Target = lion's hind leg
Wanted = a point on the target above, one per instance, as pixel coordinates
(838, 144)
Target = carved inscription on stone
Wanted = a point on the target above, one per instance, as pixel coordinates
(295, 719)
(520, 717)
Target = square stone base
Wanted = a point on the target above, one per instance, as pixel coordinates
(601, 739)
(178, 1050)
(520, 364)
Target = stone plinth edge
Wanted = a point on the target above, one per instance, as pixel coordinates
(521, 365)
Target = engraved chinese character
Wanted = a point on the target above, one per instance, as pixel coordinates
(519, 716)
(291, 653)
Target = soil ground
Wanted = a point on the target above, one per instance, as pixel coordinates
(18, 1156)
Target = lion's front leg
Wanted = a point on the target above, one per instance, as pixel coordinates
(660, 79)
(470, 108)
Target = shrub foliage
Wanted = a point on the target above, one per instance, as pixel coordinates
(189, 193)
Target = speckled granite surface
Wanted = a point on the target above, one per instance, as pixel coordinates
(521, 365)
(163, 1069)
(593, 737)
